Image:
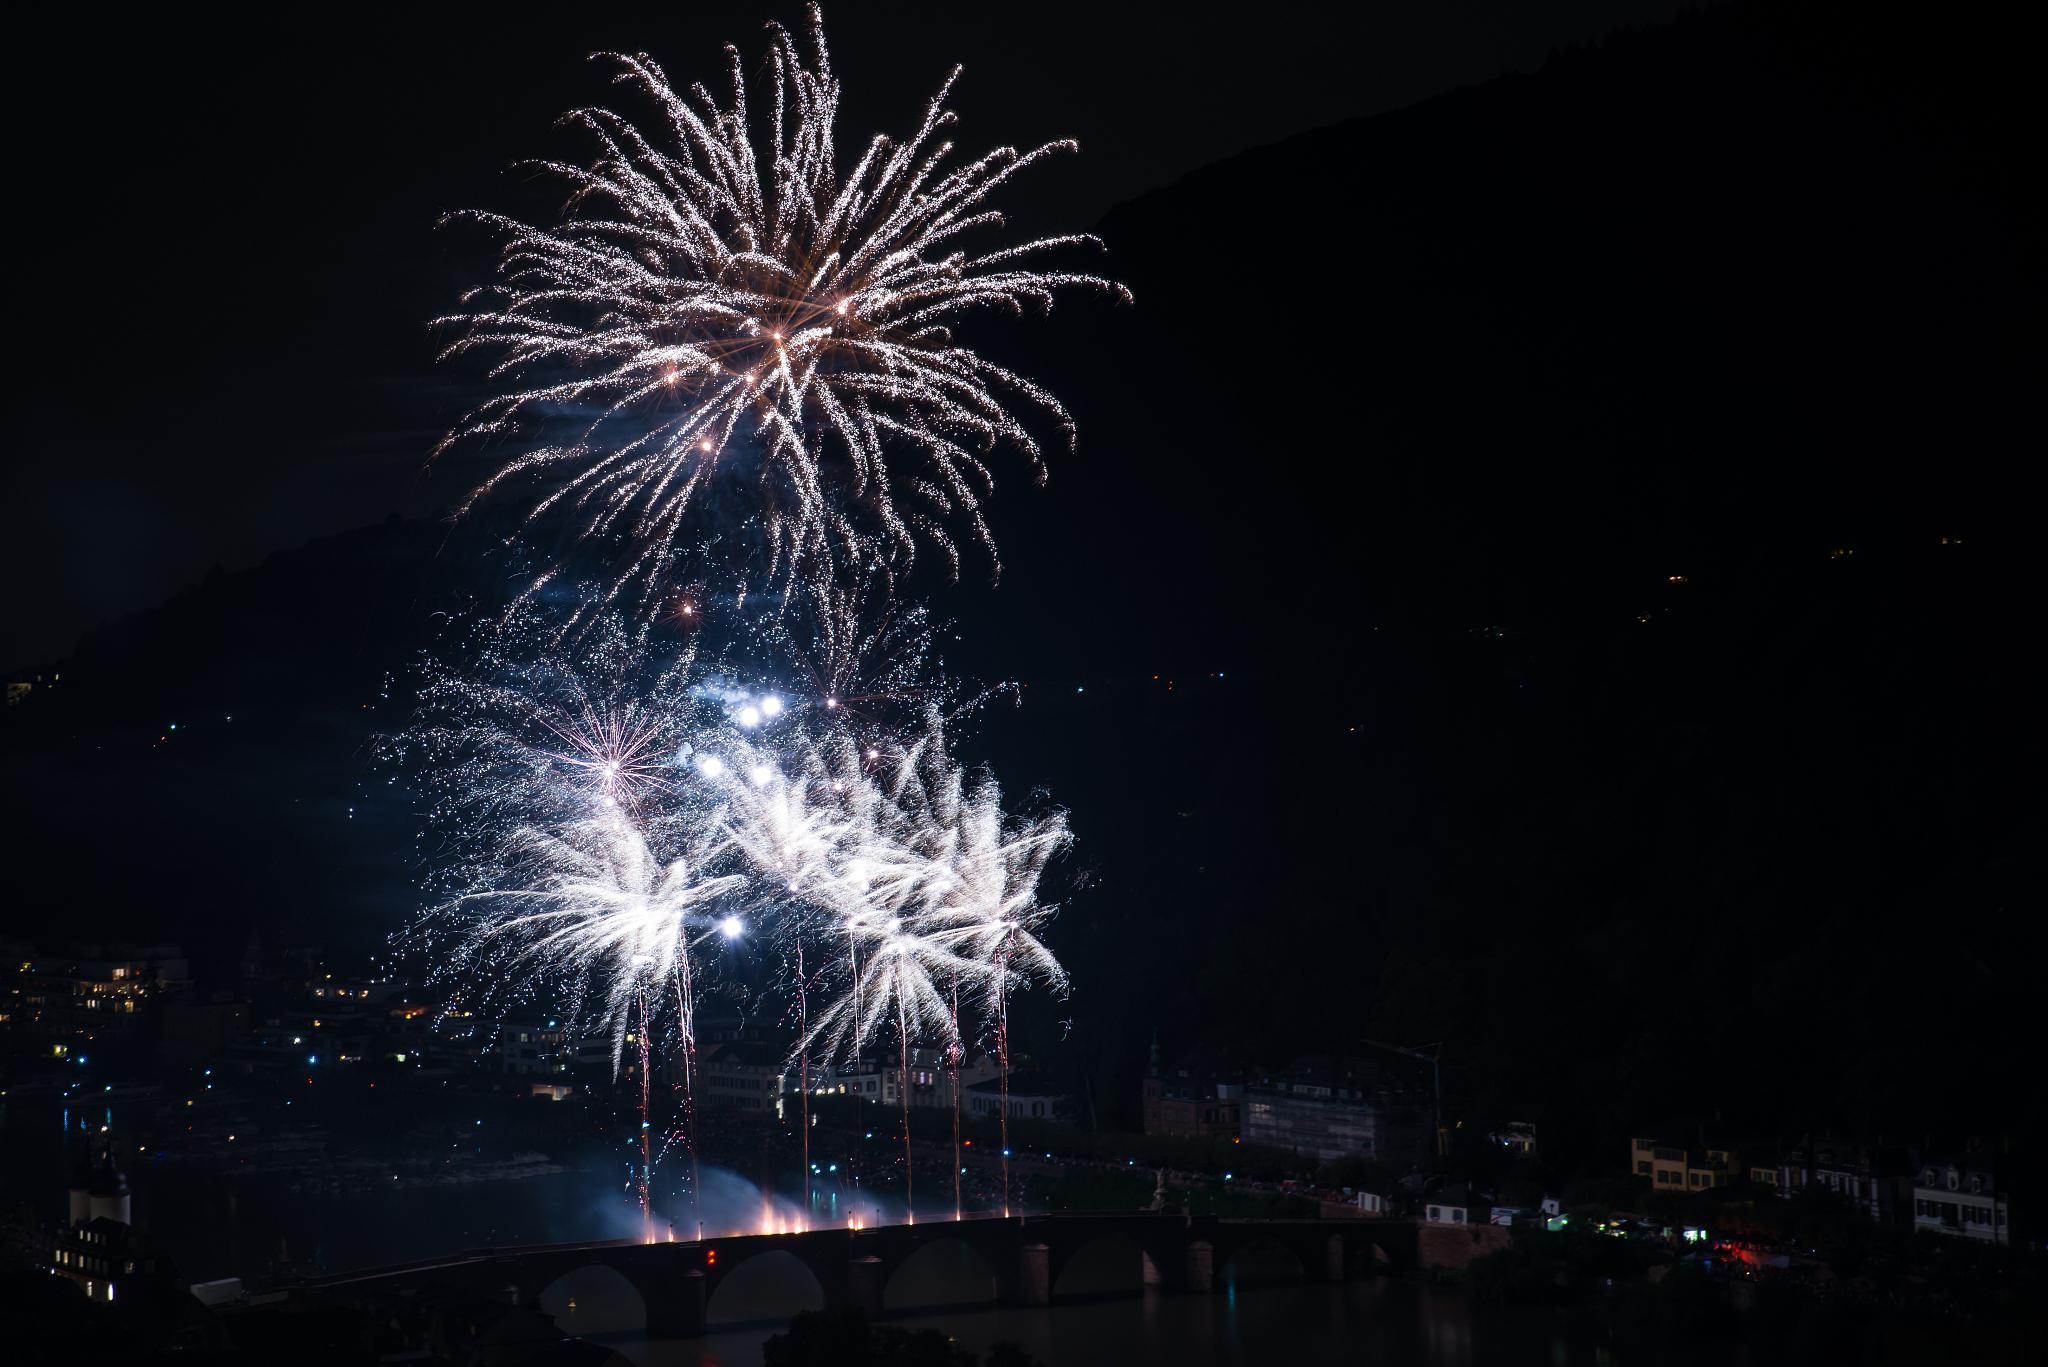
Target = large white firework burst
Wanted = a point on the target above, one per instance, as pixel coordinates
(521, 736)
(597, 909)
(721, 296)
(982, 901)
(904, 862)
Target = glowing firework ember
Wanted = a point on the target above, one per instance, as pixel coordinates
(720, 296)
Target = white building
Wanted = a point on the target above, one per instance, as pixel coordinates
(1031, 1096)
(1960, 1197)
(879, 1079)
(1451, 1206)
(746, 1075)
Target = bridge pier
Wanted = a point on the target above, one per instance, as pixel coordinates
(1192, 1267)
(675, 1308)
(1029, 1279)
(1200, 1276)
(864, 1278)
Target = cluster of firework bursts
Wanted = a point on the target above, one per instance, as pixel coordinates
(616, 822)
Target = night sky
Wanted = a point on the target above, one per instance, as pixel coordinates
(234, 255)
(1550, 564)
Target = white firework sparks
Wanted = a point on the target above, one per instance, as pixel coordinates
(527, 737)
(983, 902)
(600, 837)
(720, 296)
(844, 839)
(599, 911)
(980, 901)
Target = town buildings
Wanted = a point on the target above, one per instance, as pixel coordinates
(1334, 1106)
(883, 1079)
(1959, 1195)
(97, 1247)
(1188, 1101)
(1518, 1136)
(62, 1006)
(1841, 1167)
(746, 1075)
(1453, 1206)
(1032, 1096)
(545, 1047)
(1672, 1163)
(754, 1074)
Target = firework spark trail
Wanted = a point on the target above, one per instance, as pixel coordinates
(955, 1048)
(896, 986)
(644, 1040)
(983, 904)
(597, 911)
(719, 296)
(850, 835)
(785, 820)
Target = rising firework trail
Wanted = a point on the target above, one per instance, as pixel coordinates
(724, 300)
(955, 1047)
(850, 835)
(789, 819)
(982, 903)
(595, 911)
(897, 967)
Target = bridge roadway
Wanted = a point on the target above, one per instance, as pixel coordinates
(1024, 1255)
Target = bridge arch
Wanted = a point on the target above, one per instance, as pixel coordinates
(1260, 1259)
(594, 1299)
(944, 1271)
(772, 1284)
(1109, 1262)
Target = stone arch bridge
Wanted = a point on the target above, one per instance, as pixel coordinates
(675, 1280)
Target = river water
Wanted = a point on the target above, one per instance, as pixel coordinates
(1376, 1321)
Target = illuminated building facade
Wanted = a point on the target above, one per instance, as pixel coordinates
(1960, 1197)
(1338, 1107)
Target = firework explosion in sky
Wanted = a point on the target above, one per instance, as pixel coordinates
(607, 814)
(722, 297)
